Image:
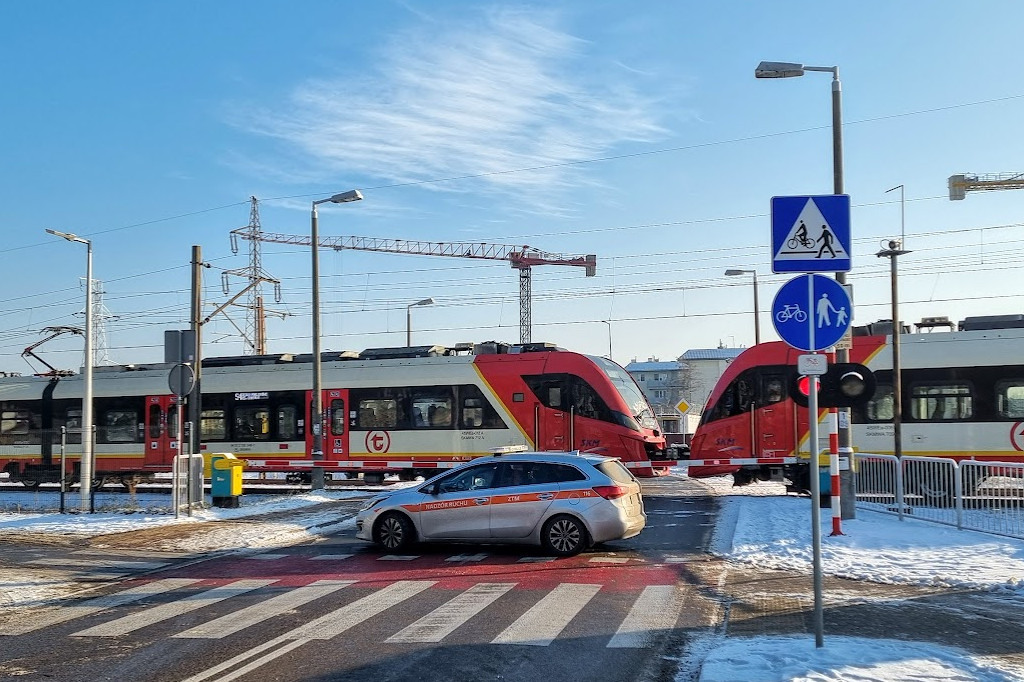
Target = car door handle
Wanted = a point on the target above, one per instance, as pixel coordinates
(482, 500)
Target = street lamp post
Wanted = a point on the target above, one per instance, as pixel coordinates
(757, 310)
(85, 466)
(790, 70)
(408, 318)
(317, 410)
(892, 253)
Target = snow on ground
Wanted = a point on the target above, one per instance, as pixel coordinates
(759, 525)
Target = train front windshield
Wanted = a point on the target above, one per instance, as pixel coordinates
(639, 408)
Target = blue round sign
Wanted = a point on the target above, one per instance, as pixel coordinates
(812, 312)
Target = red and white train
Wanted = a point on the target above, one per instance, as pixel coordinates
(406, 410)
(963, 398)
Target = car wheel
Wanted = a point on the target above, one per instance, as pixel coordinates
(564, 536)
(394, 532)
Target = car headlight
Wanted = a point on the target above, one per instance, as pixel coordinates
(370, 502)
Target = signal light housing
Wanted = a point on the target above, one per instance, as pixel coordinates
(846, 384)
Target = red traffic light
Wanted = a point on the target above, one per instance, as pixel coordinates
(843, 385)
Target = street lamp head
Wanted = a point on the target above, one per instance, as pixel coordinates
(778, 70)
(732, 272)
(426, 301)
(346, 197)
(70, 236)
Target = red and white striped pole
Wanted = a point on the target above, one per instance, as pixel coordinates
(833, 468)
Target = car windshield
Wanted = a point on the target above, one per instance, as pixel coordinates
(639, 408)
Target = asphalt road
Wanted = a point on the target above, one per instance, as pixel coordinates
(339, 609)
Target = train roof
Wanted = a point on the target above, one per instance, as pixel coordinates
(466, 351)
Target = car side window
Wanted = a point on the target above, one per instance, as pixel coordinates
(474, 478)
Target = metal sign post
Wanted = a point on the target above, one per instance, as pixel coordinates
(181, 380)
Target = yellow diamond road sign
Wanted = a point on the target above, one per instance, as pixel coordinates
(682, 407)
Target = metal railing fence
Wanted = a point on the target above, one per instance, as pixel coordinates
(971, 495)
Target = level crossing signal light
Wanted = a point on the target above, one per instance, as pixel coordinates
(845, 384)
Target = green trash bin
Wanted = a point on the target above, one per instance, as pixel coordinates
(226, 479)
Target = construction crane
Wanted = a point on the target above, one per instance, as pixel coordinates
(960, 185)
(522, 258)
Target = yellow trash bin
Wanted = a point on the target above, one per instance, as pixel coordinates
(226, 479)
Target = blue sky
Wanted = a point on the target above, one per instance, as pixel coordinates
(636, 132)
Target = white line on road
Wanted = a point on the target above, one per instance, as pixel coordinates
(654, 612)
(156, 614)
(324, 627)
(257, 613)
(68, 612)
(444, 620)
(547, 618)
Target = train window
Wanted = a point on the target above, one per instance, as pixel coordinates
(1010, 399)
(288, 422)
(774, 389)
(880, 407)
(744, 394)
(155, 421)
(477, 412)
(431, 407)
(214, 425)
(172, 422)
(377, 413)
(941, 402)
(337, 416)
(73, 424)
(14, 422)
(569, 392)
(118, 426)
(252, 422)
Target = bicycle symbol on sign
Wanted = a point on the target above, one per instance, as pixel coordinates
(800, 240)
(791, 311)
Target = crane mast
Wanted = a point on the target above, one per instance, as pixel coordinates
(522, 258)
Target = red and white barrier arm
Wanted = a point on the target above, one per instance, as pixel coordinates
(342, 465)
(748, 461)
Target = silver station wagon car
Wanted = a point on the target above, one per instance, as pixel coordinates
(564, 502)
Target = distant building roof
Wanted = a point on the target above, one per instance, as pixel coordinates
(711, 354)
(656, 366)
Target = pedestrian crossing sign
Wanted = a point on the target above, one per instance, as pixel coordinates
(811, 233)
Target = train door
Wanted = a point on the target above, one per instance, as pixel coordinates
(335, 425)
(161, 429)
(335, 440)
(551, 420)
(774, 420)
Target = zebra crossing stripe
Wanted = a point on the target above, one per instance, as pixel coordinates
(337, 622)
(156, 614)
(324, 627)
(68, 612)
(654, 612)
(257, 613)
(547, 618)
(445, 619)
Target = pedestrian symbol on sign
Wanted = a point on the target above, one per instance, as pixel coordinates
(811, 233)
(811, 312)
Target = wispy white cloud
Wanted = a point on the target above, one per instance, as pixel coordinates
(484, 95)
